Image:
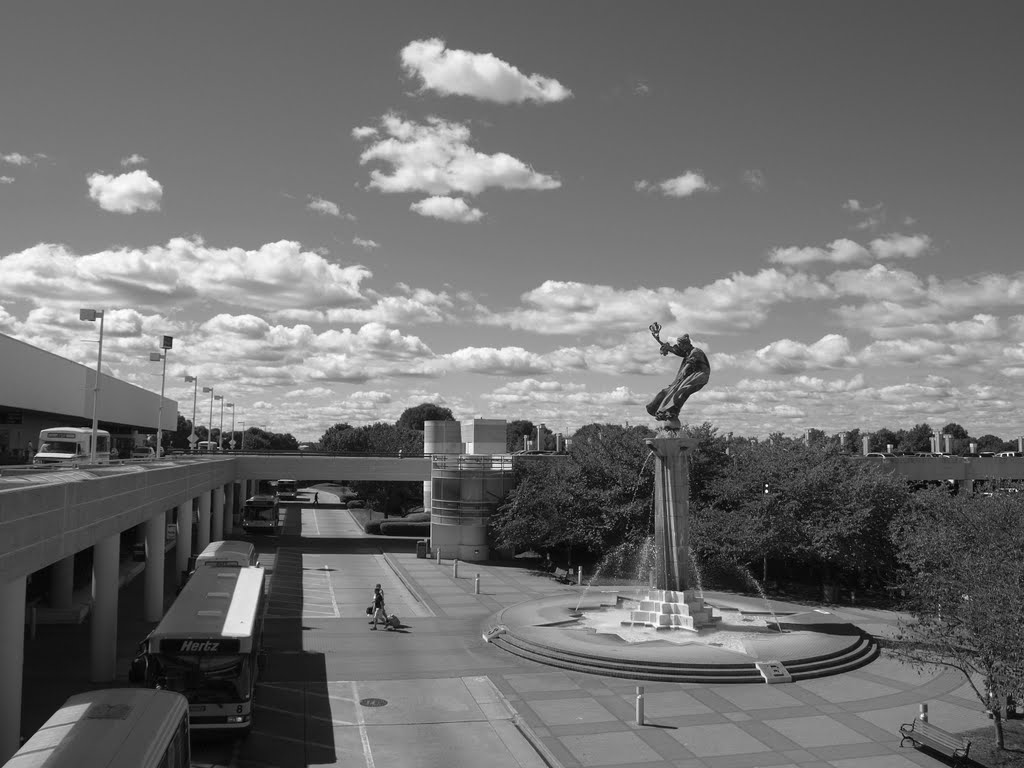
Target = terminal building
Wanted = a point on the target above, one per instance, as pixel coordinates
(40, 390)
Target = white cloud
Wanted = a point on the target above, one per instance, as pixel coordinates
(507, 361)
(844, 251)
(6, 179)
(133, 159)
(275, 276)
(448, 209)
(127, 193)
(365, 244)
(435, 158)
(309, 392)
(789, 356)
(16, 158)
(734, 303)
(325, 207)
(680, 186)
(450, 71)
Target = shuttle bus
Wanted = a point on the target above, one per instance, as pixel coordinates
(71, 445)
(260, 514)
(207, 647)
(287, 489)
(116, 728)
(227, 554)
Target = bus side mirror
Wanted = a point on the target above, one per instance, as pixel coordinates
(138, 669)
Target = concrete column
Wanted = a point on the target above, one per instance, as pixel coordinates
(203, 536)
(12, 662)
(865, 445)
(103, 620)
(62, 582)
(217, 520)
(183, 548)
(155, 534)
(672, 510)
(229, 508)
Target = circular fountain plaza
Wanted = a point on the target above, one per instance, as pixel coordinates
(743, 640)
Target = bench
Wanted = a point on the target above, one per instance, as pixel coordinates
(563, 575)
(924, 734)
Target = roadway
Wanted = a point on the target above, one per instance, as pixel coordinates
(434, 693)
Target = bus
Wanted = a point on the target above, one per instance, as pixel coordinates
(287, 489)
(113, 727)
(226, 554)
(260, 514)
(71, 445)
(208, 647)
(207, 446)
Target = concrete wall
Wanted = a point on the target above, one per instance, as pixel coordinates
(485, 436)
(35, 380)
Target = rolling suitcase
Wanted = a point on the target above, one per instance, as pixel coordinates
(393, 622)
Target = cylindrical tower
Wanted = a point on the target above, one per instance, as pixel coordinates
(440, 437)
(466, 490)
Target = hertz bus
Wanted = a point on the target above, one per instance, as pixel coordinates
(260, 514)
(287, 489)
(116, 728)
(68, 445)
(208, 647)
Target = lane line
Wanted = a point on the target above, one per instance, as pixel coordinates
(330, 587)
(363, 735)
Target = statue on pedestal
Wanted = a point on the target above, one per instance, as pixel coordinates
(693, 374)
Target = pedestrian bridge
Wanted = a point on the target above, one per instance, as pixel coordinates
(46, 516)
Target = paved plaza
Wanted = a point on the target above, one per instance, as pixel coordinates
(434, 693)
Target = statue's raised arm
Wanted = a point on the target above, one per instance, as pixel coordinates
(693, 374)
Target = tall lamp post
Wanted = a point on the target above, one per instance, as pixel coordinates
(195, 391)
(90, 315)
(231, 442)
(166, 342)
(209, 430)
(220, 435)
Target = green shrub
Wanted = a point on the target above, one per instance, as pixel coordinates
(373, 527)
(417, 517)
(356, 504)
(403, 528)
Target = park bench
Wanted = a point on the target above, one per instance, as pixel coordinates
(925, 734)
(563, 575)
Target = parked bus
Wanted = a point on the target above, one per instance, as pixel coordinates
(287, 489)
(208, 646)
(207, 446)
(261, 514)
(114, 728)
(71, 445)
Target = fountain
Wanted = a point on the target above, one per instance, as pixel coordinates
(625, 635)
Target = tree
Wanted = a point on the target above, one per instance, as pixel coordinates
(990, 443)
(883, 438)
(916, 440)
(955, 431)
(413, 418)
(964, 581)
(515, 432)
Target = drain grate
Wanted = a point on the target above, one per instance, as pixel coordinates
(373, 702)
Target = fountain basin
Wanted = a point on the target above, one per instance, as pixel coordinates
(552, 631)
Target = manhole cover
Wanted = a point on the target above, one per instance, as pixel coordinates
(373, 702)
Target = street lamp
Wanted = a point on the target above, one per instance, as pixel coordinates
(166, 342)
(195, 391)
(209, 430)
(231, 442)
(220, 435)
(90, 315)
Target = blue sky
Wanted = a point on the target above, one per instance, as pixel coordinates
(340, 210)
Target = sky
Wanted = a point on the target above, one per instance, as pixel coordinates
(340, 210)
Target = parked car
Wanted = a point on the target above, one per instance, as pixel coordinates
(143, 452)
(881, 455)
(1008, 454)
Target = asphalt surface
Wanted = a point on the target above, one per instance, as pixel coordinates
(434, 693)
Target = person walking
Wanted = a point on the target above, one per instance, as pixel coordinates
(316, 497)
(378, 608)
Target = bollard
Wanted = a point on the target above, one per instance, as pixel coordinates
(455, 568)
(639, 705)
(476, 585)
(579, 575)
(438, 553)
(923, 716)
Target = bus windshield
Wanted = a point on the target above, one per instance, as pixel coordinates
(59, 446)
(205, 679)
(261, 511)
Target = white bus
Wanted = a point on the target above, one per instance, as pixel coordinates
(208, 647)
(115, 728)
(287, 489)
(71, 445)
(227, 554)
(261, 514)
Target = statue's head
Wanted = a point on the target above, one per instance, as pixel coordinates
(684, 341)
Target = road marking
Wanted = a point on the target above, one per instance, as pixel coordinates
(315, 523)
(363, 735)
(330, 588)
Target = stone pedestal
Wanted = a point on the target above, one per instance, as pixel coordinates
(672, 604)
(668, 609)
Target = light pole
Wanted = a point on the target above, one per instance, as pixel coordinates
(90, 315)
(166, 342)
(209, 430)
(220, 435)
(195, 392)
(231, 442)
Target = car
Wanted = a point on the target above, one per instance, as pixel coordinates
(1008, 454)
(878, 455)
(143, 452)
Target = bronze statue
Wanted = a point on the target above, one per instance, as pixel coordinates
(693, 374)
